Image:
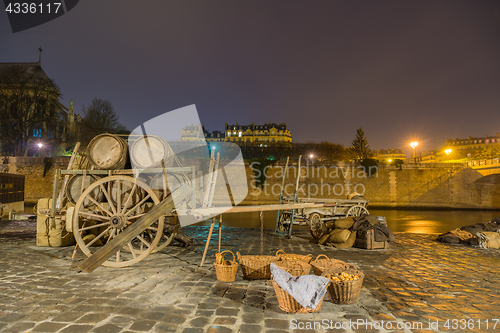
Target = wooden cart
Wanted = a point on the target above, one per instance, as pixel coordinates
(314, 217)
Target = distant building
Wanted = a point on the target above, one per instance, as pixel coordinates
(389, 155)
(215, 136)
(267, 133)
(29, 82)
(192, 133)
(462, 147)
(430, 156)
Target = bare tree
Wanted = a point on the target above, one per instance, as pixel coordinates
(100, 117)
(29, 107)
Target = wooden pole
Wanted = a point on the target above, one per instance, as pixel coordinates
(294, 198)
(66, 177)
(132, 231)
(281, 195)
(208, 241)
(261, 213)
(220, 230)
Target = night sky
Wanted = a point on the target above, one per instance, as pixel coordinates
(402, 70)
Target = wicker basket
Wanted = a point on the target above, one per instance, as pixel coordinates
(294, 267)
(301, 257)
(288, 304)
(344, 292)
(225, 269)
(321, 265)
(256, 267)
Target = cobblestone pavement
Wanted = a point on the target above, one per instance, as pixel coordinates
(416, 280)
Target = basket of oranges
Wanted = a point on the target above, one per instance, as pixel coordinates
(345, 286)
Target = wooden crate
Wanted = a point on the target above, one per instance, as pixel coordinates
(366, 240)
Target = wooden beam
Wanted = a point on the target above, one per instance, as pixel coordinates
(108, 250)
(246, 209)
(66, 177)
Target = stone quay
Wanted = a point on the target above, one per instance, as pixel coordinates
(416, 285)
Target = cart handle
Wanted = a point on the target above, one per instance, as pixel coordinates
(222, 254)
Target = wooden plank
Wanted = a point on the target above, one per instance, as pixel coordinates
(246, 209)
(108, 250)
(124, 171)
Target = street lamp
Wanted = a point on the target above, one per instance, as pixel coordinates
(414, 145)
(40, 146)
(448, 151)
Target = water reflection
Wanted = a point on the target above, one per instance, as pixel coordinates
(413, 221)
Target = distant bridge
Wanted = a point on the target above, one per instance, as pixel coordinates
(485, 167)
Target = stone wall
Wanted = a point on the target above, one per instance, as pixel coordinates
(430, 187)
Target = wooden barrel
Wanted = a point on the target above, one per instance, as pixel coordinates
(149, 151)
(74, 189)
(175, 181)
(107, 152)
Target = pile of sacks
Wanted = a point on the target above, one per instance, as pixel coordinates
(341, 233)
(483, 235)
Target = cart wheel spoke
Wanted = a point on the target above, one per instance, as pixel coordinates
(139, 204)
(99, 205)
(144, 241)
(106, 194)
(94, 226)
(111, 234)
(99, 236)
(93, 216)
(137, 216)
(125, 205)
(129, 245)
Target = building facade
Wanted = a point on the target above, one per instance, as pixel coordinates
(389, 155)
(472, 144)
(264, 134)
(215, 136)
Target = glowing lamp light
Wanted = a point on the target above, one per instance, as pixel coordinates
(311, 156)
(448, 151)
(40, 145)
(414, 144)
(390, 160)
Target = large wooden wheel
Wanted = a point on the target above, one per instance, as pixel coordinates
(315, 225)
(356, 211)
(124, 201)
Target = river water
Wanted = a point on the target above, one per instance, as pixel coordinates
(412, 221)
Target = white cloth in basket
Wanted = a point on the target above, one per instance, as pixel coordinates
(307, 290)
